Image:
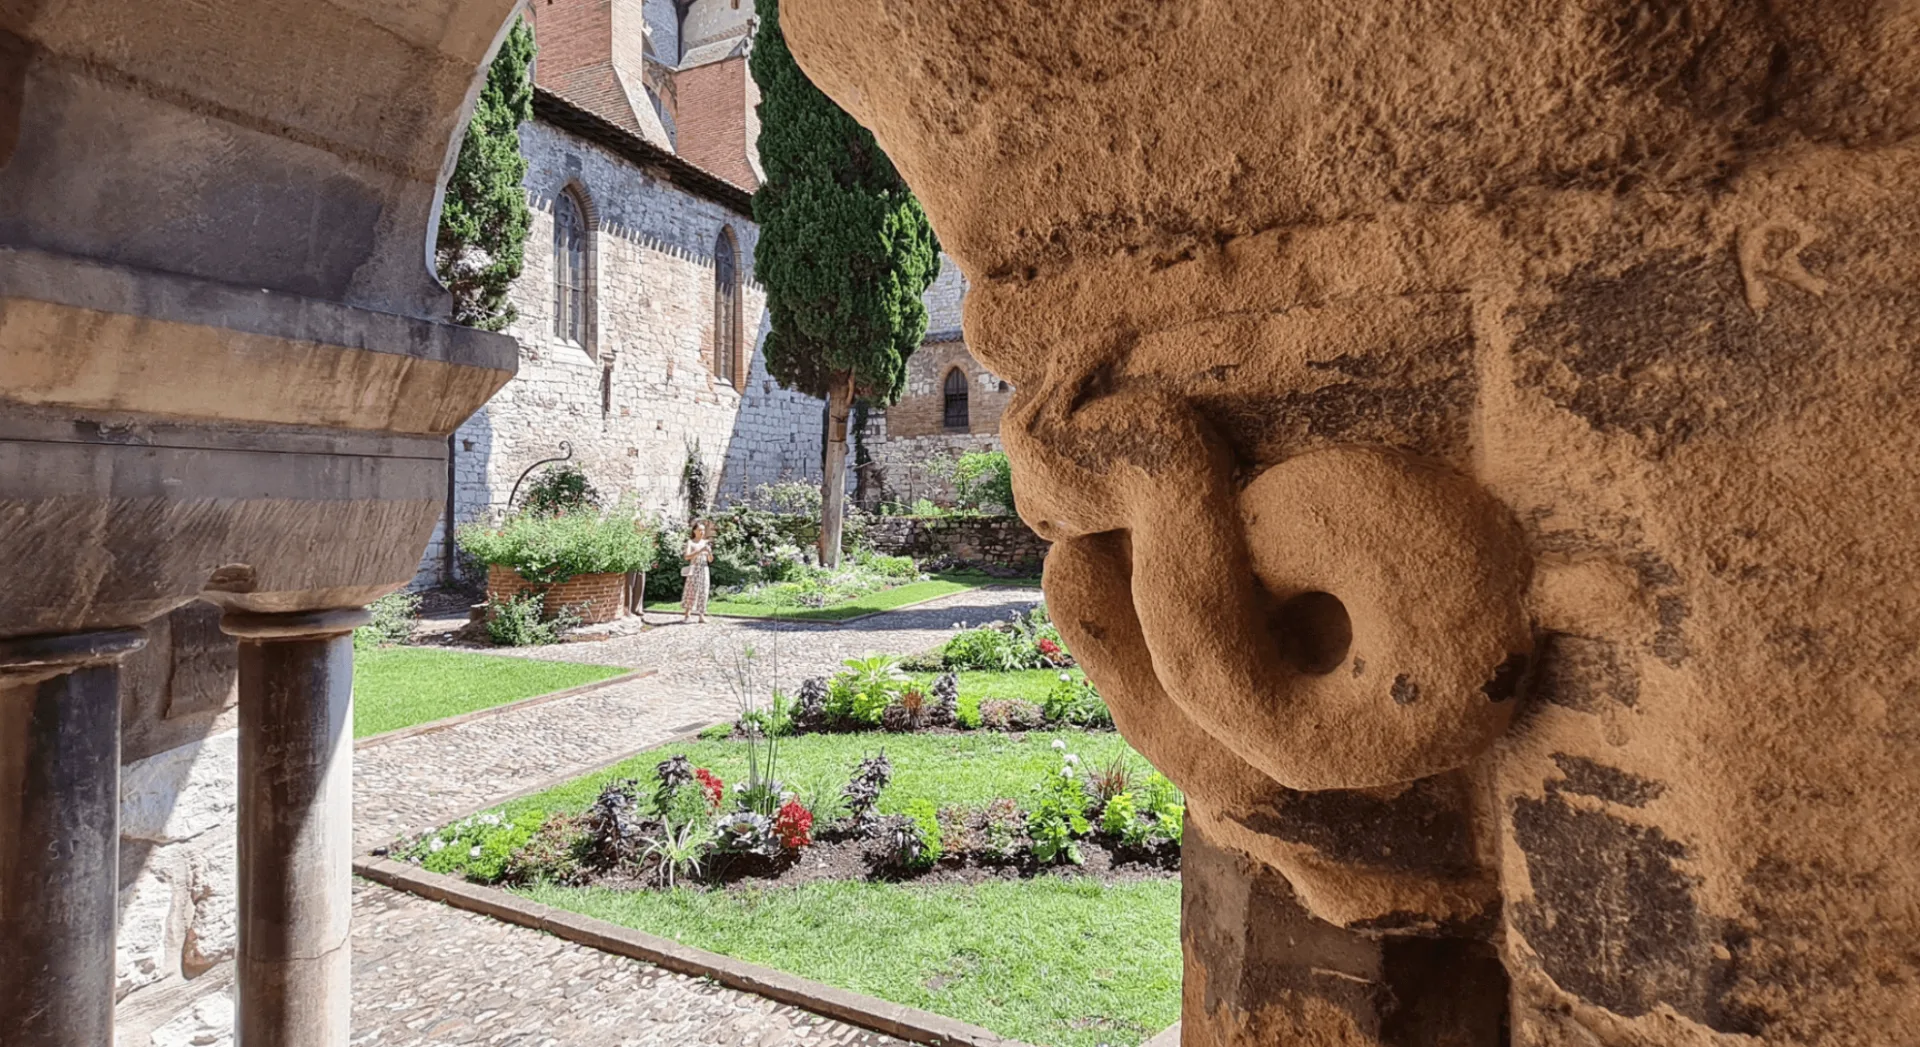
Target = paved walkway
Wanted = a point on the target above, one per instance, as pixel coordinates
(429, 976)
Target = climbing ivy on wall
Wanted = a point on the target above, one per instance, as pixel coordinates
(845, 253)
(484, 216)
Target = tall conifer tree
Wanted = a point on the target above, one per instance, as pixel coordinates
(845, 253)
(484, 217)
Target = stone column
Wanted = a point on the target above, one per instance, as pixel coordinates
(296, 825)
(59, 836)
(1261, 970)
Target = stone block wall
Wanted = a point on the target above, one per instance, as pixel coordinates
(905, 441)
(991, 541)
(178, 811)
(644, 392)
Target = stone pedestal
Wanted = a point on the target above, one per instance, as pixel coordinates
(296, 826)
(1263, 971)
(59, 836)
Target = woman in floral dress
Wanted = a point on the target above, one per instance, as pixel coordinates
(698, 554)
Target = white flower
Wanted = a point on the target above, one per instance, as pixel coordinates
(475, 853)
(1066, 772)
(490, 819)
(1066, 677)
(1072, 760)
(1060, 743)
(437, 845)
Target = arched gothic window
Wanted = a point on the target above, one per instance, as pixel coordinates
(569, 268)
(955, 391)
(727, 362)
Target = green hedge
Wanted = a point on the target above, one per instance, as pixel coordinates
(555, 548)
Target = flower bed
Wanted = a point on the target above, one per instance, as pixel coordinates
(957, 842)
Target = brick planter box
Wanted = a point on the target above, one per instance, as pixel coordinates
(594, 597)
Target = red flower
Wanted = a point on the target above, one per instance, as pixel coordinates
(1049, 648)
(712, 784)
(793, 825)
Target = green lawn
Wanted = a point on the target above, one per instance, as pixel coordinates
(885, 600)
(1030, 685)
(395, 687)
(1056, 962)
(970, 768)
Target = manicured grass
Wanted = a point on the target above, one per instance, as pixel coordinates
(1057, 962)
(1028, 685)
(395, 687)
(970, 768)
(884, 600)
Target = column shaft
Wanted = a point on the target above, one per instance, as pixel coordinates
(59, 837)
(296, 829)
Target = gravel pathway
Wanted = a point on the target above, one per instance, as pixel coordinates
(429, 976)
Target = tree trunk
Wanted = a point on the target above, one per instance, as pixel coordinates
(833, 486)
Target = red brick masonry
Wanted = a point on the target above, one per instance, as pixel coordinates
(594, 597)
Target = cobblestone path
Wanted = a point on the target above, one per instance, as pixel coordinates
(429, 976)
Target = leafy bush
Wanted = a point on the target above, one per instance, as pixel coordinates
(393, 618)
(1059, 814)
(1111, 779)
(983, 481)
(1120, 819)
(860, 693)
(560, 490)
(945, 709)
(927, 820)
(986, 650)
(519, 621)
(552, 855)
(1074, 701)
(900, 843)
(679, 852)
(555, 548)
(1010, 714)
(479, 846)
(862, 791)
(1021, 642)
(612, 829)
(1003, 830)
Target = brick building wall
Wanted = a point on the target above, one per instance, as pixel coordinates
(633, 401)
(713, 105)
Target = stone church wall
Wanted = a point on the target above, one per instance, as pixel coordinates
(652, 263)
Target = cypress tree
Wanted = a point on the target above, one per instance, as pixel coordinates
(483, 216)
(845, 253)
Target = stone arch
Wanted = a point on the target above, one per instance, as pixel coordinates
(955, 413)
(729, 336)
(576, 267)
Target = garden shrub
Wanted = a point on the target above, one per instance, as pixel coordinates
(863, 789)
(899, 843)
(945, 709)
(1010, 714)
(612, 826)
(1003, 830)
(1059, 813)
(519, 621)
(555, 548)
(1120, 818)
(927, 820)
(983, 481)
(960, 829)
(559, 490)
(1110, 779)
(394, 616)
(983, 650)
(1076, 702)
(553, 855)
(861, 692)
(480, 846)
